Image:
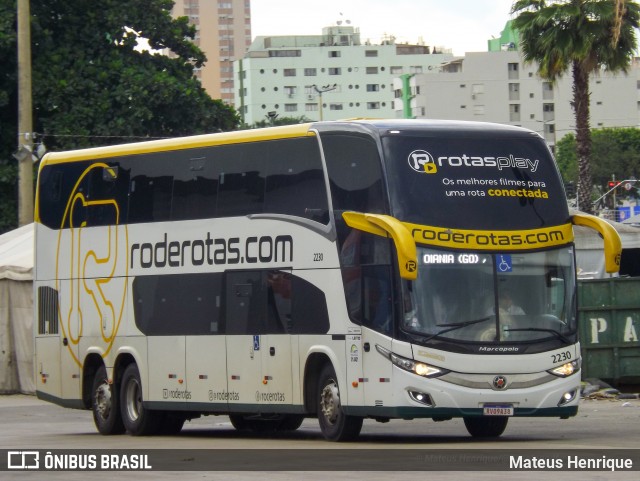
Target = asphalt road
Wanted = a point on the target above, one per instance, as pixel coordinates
(27, 423)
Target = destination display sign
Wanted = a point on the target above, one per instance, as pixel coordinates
(510, 182)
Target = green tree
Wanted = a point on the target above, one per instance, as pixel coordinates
(92, 85)
(583, 36)
(279, 121)
(8, 117)
(615, 152)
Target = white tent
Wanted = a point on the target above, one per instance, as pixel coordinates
(16, 311)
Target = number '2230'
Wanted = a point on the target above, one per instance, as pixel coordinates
(561, 356)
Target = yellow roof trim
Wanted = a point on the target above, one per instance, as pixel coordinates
(180, 143)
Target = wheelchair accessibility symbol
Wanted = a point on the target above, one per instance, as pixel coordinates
(504, 263)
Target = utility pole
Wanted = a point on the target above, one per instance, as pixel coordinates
(320, 91)
(25, 121)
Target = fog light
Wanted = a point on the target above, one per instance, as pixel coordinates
(568, 397)
(421, 398)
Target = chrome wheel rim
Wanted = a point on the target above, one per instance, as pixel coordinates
(133, 397)
(102, 401)
(330, 402)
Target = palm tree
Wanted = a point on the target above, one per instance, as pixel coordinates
(617, 23)
(584, 36)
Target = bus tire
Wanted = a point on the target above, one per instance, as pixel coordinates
(486, 427)
(137, 420)
(334, 423)
(105, 404)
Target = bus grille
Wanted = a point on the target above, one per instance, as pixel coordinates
(47, 310)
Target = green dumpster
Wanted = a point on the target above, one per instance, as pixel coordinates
(609, 328)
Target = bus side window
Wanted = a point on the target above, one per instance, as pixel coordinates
(355, 173)
(150, 189)
(241, 180)
(309, 312)
(278, 302)
(194, 189)
(376, 299)
(178, 304)
(52, 191)
(366, 273)
(109, 185)
(295, 181)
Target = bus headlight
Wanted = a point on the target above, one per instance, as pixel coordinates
(416, 367)
(567, 369)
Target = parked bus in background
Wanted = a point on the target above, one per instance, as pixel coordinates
(345, 270)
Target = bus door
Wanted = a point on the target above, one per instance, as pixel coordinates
(206, 348)
(207, 370)
(245, 340)
(366, 273)
(277, 365)
(159, 297)
(377, 322)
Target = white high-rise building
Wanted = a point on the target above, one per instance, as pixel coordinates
(500, 87)
(330, 76)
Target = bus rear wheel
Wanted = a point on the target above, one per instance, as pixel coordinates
(137, 420)
(334, 423)
(486, 427)
(105, 405)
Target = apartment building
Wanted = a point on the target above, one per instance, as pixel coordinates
(498, 86)
(329, 76)
(223, 34)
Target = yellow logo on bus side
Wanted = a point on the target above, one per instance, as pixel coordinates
(91, 292)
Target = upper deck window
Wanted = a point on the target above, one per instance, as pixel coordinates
(282, 176)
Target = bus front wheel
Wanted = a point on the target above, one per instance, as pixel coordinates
(137, 420)
(486, 427)
(334, 423)
(105, 405)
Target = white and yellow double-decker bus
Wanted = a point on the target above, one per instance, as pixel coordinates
(344, 270)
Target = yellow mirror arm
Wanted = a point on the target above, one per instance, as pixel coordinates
(612, 242)
(383, 225)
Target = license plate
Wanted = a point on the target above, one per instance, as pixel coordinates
(497, 410)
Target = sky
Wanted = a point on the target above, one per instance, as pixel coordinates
(460, 25)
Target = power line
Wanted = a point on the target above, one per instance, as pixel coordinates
(96, 136)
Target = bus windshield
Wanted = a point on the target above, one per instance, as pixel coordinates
(492, 298)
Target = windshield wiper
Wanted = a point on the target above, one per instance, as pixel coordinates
(540, 329)
(454, 326)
